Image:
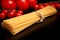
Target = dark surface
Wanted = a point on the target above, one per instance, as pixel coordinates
(50, 25)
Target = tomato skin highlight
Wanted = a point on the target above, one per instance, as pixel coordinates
(45, 4)
(41, 6)
(22, 4)
(32, 3)
(2, 15)
(8, 4)
(36, 7)
(11, 14)
(19, 13)
(5, 11)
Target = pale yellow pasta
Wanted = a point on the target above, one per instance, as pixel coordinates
(17, 24)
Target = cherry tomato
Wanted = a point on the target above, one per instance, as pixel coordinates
(5, 11)
(19, 13)
(45, 4)
(2, 15)
(52, 4)
(36, 7)
(41, 6)
(55, 3)
(22, 4)
(13, 10)
(8, 4)
(58, 6)
(32, 3)
(11, 14)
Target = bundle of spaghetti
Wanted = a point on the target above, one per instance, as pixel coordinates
(17, 24)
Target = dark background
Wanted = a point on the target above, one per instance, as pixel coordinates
(48, 29)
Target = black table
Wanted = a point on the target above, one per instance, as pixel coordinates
(50, 24)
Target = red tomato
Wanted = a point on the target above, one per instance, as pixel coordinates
(22, 4)
(5, 11)
(32, 3)
(52, 4)
(55, 3)
(45, 4)
(13, 10)
(11, 15)
(2, 15)
(58, 6)
(19, 13)
(36, 7)
(41, 6)
(8, 4)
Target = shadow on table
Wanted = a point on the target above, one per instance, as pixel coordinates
(46, 26)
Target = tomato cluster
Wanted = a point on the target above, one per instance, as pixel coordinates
(19, 4)
(42, 5)
(9, 7)
(10, 13)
